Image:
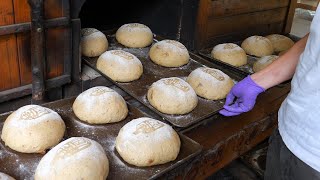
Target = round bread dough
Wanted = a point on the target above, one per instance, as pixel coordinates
(93, 42)
(280, 42)
(120, 66)
(147, 142)
(5, 177)
(210, 83)
(230, 53)
(33, 129)
(100, 105)
(263, 62)
(169, 53)
(134, 35)
(74, 158)
(257, 46)
(172, 96)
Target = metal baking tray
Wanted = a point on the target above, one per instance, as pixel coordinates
(23, 166)
(153, 72)
(246, 69)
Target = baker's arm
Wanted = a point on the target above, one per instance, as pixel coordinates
(243, 95)
(283, 68)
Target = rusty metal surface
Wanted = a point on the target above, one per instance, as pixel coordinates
(153, 72)
(22, 166)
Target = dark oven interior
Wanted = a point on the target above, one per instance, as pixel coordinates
(164, 17)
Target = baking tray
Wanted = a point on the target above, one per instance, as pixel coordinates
(246, 69)
(153, 72)
(23, 166)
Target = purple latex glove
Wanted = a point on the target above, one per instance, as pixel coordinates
(245, 94)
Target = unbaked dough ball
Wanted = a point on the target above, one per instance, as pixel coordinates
(5, 177)
(120, 66)
(263, 62)
(210, 83)
(100, 105)
(74, 158)
(230, 53)
(172, 96)
(134, 35)
(280, 42)
(32, 129)
(257, 46)
(147, 142)
(169, 53)
(93, 42)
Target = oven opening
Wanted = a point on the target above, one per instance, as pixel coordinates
(172, 19)
(162, 16)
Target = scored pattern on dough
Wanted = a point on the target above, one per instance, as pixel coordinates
(74, 146)
(258, 38)
(88, 31)
(147, 126)
(229, 46)
(99, 91)
(176, 83)
(133, 25)
(175, 43)
(34, 112)
(213, 73)
(122, 54)
(277, 37)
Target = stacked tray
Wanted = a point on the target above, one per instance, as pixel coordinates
(153, 72)
(22, 166)
(246, 69)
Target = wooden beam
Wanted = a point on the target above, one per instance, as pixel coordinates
(306, 6)
(289, 18)
(24, 27)
(38, 50)
(76, 54)
(15, 93)
(27, 89)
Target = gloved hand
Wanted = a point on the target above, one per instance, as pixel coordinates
(245, 94)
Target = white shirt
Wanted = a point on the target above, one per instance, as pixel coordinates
(299, 115)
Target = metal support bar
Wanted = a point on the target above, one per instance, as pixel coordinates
(76, 54)
(24, 27)
(37, 50)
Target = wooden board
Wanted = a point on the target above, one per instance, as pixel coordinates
(227, 25)
(265, 29)
(224, 18)
(22, 14)
(218, 8)
(8, 50)
(58, 40)
(15, 49)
